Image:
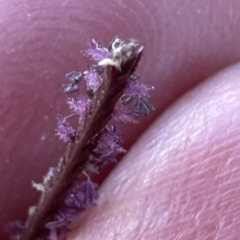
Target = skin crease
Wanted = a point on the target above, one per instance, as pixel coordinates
(180, 180)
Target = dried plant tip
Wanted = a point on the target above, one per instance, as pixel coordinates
(142, 107)
(121, 52)
(115, 43)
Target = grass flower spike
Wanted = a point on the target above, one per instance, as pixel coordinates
(113, 92)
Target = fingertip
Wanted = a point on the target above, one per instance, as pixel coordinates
(181, 179)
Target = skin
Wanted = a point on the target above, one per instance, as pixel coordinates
(180, 180)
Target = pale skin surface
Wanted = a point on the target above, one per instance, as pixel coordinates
(181, 179)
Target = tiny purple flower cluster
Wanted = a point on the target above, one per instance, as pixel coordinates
(96, 51)
(93, 80)
(137, 90)
(80, 106)
(109, 146)
(123, 114)
(80, 197)
(64, 130)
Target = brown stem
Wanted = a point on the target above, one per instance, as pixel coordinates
(71, 166)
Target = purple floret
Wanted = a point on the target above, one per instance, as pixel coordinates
(111, 140)
(64, 130)
(82, 195)
(123, 114)
(96, 51)
(109, 146)
(93, 81)
(137, 89)
(101, 157)
(80, 106)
